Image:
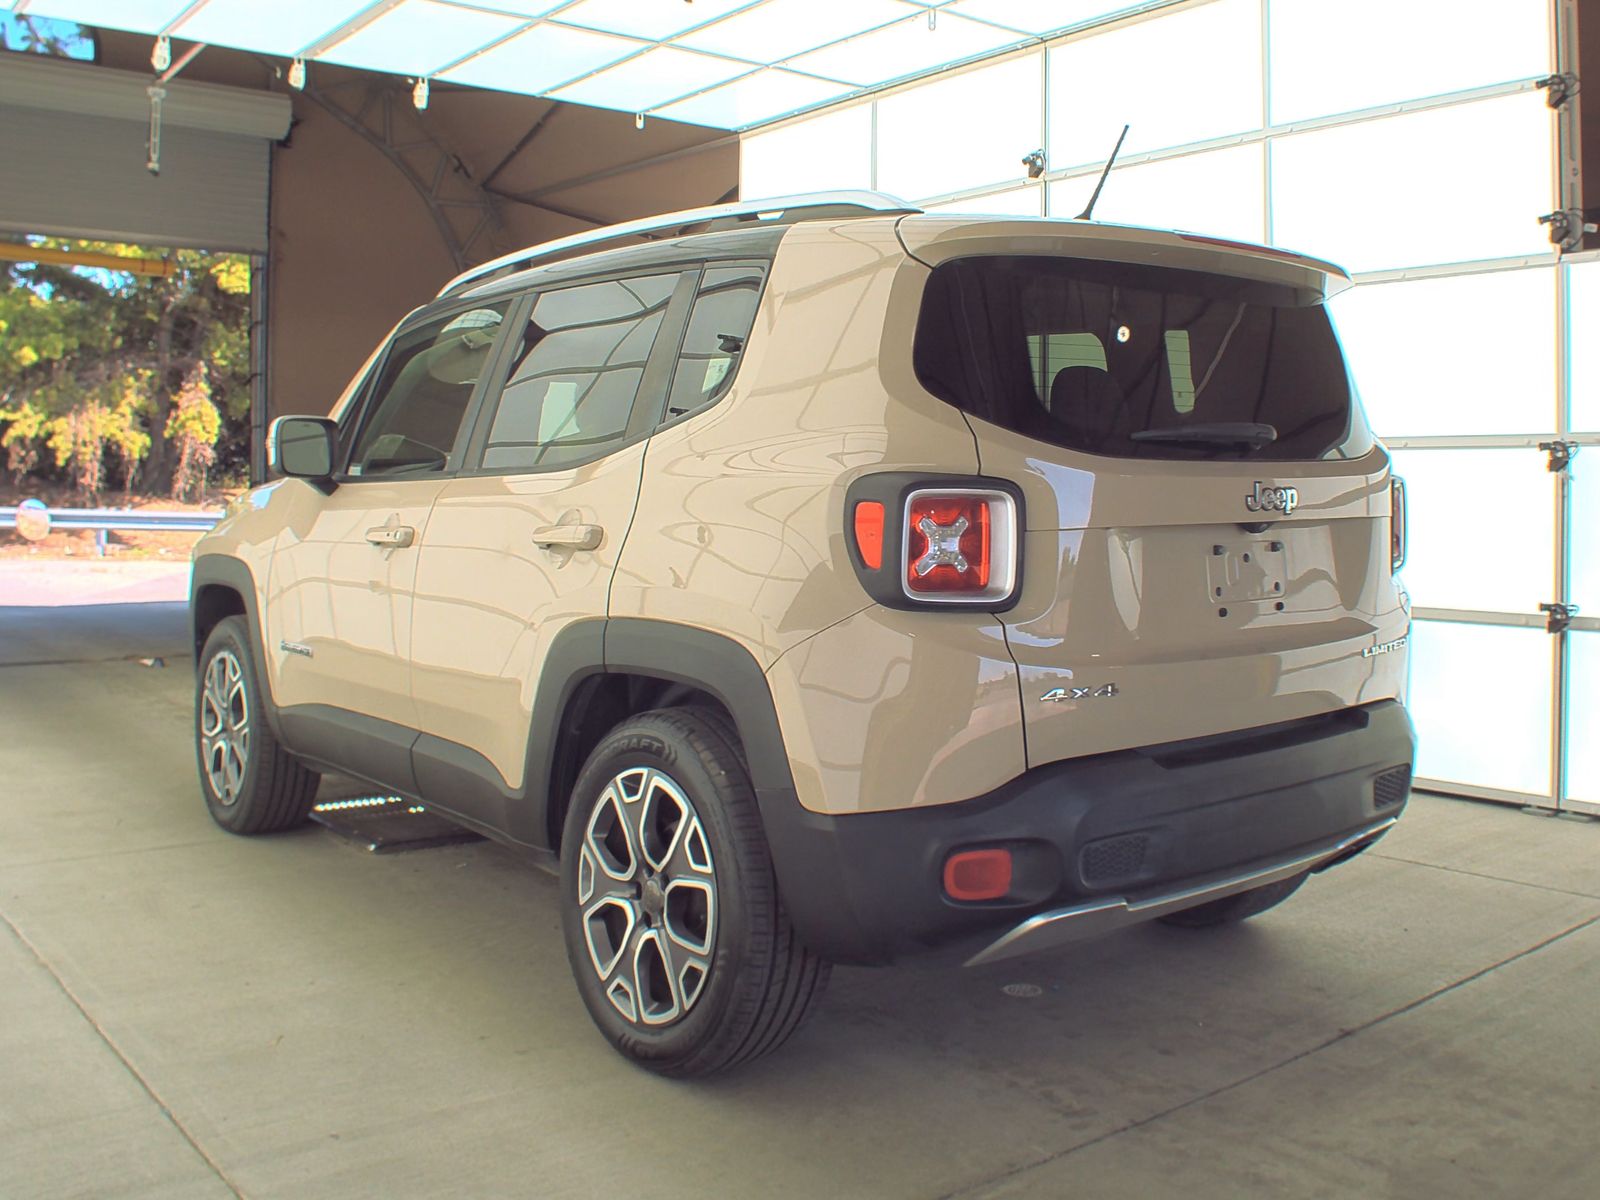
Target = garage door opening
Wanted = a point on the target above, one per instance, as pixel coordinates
(125, 412)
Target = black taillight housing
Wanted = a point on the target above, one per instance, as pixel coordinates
(1397, 523)
(936, 541)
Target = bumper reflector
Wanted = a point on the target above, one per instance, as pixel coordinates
(971, 875)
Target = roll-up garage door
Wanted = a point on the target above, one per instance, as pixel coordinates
(73, 152)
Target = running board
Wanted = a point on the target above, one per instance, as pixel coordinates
(1058, 927)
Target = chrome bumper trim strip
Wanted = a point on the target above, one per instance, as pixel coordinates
(1045, 930)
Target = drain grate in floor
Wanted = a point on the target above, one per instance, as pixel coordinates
(387, 824)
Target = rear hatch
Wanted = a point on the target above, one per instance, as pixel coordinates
(1206, 514)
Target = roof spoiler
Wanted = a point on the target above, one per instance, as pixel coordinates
(774, 211)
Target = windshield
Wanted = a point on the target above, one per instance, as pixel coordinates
(1136, 361)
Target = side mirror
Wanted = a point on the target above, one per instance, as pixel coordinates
(304, 447)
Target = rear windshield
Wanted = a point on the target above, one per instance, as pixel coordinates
(1135, 361)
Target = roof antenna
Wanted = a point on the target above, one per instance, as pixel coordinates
(1088, 209)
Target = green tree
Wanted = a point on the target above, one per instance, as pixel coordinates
(92, 363)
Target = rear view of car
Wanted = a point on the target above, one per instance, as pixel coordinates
(829, 582)
(1183, 536)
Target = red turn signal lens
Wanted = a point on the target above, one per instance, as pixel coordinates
(971, 875)
(948, 543)
(869, 532)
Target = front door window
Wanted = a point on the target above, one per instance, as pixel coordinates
(422, 395)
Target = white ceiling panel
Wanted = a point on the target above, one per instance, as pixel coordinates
(654, 78)
(286, 27)
(419, 37)
(656, 21)
(543, 58)
(517, 8)
(730, 64)
(1037, 16)
(768, 93)
(141, 16)
(779, 29)
(904, 49)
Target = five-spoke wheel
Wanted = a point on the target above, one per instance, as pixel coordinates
(250, 782)
(678, 941)
(224, 725)
(648, 891)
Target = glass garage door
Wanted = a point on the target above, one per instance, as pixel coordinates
(1422, 162)
(1460, 374)
(1581, 700)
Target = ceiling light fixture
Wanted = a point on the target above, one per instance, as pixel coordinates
(638, 120)
(297, 74)
(161, 56)
(419, 93)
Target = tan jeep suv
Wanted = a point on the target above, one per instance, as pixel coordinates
(824, 581)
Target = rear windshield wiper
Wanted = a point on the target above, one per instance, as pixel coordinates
(1217, 433)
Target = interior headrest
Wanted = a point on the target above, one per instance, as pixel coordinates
(1083, 395)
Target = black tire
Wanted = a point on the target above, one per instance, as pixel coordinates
(1236, 908)
(250, 782)
(713, 920)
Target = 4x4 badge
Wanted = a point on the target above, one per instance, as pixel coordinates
(1104, 692)
(1273, 499)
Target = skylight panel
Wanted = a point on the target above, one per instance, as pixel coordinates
(542, 58)
(419, 37)
(654, 78)
(763, 96)
(517, 8)
(655, 21)
(779, 29)
(141, 16)
(287, 27)
(904, 49)
(1036, 16)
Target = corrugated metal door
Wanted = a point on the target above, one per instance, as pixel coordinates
(74, 141)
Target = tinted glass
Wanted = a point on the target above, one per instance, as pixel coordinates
(724, 310)
(1090, 355)
(577, 373)
(305, 447)
(422, 394)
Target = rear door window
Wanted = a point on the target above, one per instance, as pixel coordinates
(719, 325)
(1135, 361)
(576, 373)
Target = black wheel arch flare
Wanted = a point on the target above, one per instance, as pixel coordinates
(800, 842)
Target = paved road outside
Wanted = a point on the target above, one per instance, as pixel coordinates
(189, 1014)
(75, 581)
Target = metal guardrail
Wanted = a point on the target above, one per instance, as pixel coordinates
(33, 520)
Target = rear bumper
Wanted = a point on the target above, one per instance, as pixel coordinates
(1097, 842)
(1076, 922)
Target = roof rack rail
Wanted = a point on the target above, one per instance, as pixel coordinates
(776, 210)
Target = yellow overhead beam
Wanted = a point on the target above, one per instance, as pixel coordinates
(21, 252)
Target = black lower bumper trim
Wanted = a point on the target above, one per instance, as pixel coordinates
(866, 888)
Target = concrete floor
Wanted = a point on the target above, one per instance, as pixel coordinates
(188, 1014)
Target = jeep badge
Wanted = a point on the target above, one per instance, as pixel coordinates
(1273, 499)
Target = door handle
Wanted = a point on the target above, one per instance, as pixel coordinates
(573, 537)
(391, 536)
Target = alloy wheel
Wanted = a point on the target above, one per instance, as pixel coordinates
(647, 890)
(225, 726)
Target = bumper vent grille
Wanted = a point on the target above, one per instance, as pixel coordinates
(1114, 859)
(1391, 787)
